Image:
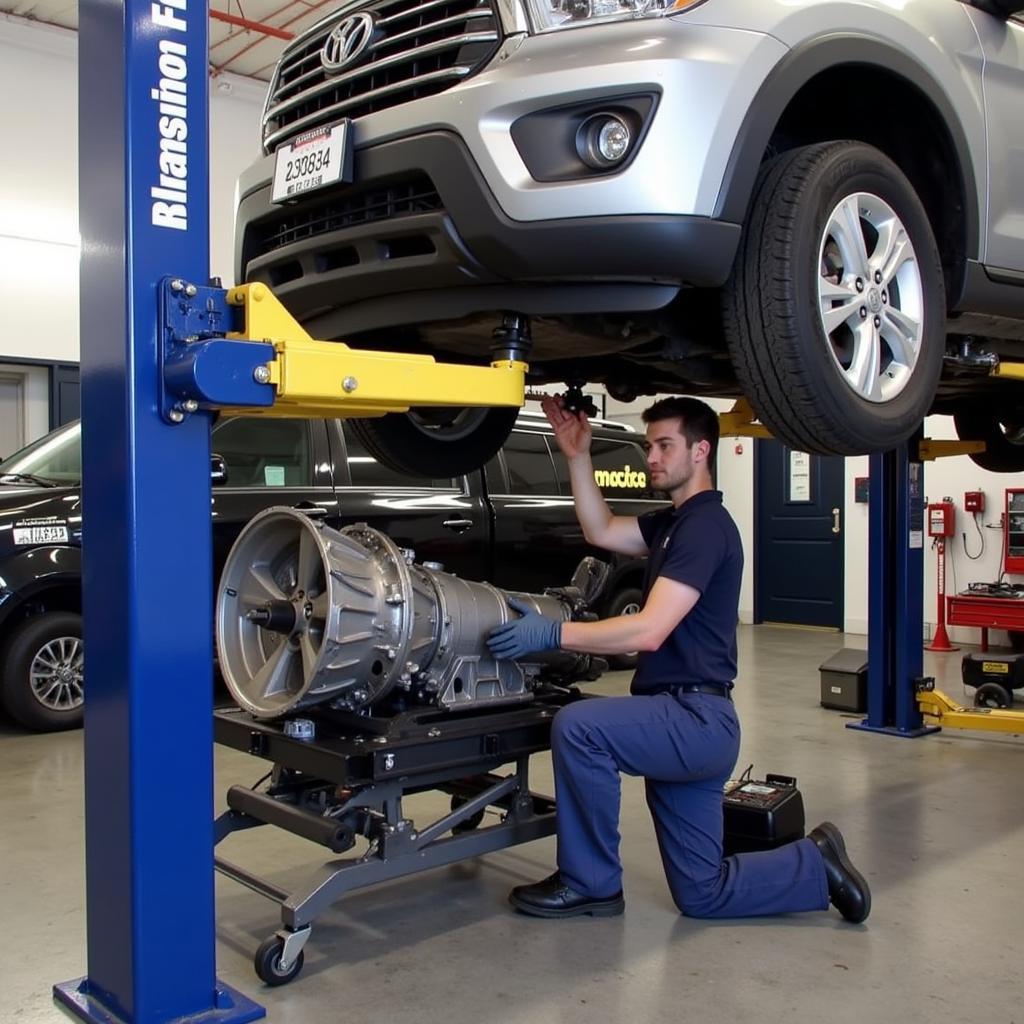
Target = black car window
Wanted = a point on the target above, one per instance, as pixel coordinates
(494, 476)
(365, 471)
(530, 470)
(53, 458)
(620, 469)
(264, 452)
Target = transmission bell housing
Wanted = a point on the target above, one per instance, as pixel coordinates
(308, 615)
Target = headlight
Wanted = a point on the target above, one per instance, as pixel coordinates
(546, 15)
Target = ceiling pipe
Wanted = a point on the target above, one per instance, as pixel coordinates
(308, 9)
(255, 26)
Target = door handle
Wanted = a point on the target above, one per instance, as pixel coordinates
(459, 525)
(835, 520)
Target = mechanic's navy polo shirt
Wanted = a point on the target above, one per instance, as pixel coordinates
(697, 544)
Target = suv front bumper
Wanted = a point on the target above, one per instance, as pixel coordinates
(444, 220)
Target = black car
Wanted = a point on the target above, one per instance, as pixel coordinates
(511, 522)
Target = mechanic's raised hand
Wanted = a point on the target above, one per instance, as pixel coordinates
(572, 430)
(527, 635)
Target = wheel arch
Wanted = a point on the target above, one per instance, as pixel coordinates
(937, 162)
(30, 593)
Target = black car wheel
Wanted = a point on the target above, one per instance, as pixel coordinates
(436, 441)
(627, 601)
(1002, 432)
(835, 311)
(42, 672)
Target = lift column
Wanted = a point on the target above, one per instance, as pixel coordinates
(895, 593)
(147, 589)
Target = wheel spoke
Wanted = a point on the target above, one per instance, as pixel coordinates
(865, 368)
(833, 316)
(46, 660)
(51, 684)
(903, 336)
(272, 678)
(259, 586)
(846, 229)
(308, 656)
(892, 251)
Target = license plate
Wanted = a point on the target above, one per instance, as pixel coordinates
(311, 161)
(40, 535)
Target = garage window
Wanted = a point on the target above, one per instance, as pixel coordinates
(264, 452)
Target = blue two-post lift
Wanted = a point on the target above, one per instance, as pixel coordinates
(895, 593)
(147, 595)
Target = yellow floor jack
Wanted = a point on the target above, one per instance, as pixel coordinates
(940, 709)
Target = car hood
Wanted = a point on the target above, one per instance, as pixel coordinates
(33, 516)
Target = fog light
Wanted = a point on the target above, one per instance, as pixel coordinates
(604, 140)
(613, 140)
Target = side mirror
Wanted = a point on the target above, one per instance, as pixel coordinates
(590, 579)
(218, 471)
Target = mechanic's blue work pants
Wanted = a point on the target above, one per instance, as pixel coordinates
(685, 747)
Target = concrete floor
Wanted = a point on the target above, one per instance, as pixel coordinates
(936, 825)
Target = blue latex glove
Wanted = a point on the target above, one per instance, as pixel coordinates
(527, 635)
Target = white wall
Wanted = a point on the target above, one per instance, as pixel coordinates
(39, 185)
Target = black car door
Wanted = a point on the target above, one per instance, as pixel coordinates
(269, 461)
(537, 539)
(441, 520)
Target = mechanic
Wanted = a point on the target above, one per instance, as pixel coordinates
(679, 728)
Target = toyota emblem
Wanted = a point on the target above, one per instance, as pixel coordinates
(348, 41)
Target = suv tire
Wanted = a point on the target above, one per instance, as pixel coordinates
(1003, 434)
(436, 442)
(791, 266)
(45, 650)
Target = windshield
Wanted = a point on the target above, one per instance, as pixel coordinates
(55, 458)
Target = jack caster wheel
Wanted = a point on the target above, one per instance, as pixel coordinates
(992, 695)
(268, 962)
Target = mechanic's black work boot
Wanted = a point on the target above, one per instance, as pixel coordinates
(848, 891)
(553, 898)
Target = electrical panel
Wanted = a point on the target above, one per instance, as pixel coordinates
(1013, 551)
(941, 519)
(974, 501)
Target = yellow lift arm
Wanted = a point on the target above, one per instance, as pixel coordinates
(328, 378)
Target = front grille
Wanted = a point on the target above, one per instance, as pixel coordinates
(418, 48)
(384, 202)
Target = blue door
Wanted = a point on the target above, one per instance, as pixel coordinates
(798, 552)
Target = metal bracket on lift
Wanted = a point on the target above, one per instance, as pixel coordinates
(740, 421)
(240, 351)
(945, 712)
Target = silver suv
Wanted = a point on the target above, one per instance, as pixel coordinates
(818, 204)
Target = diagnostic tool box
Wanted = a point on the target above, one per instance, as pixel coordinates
(762, 814)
